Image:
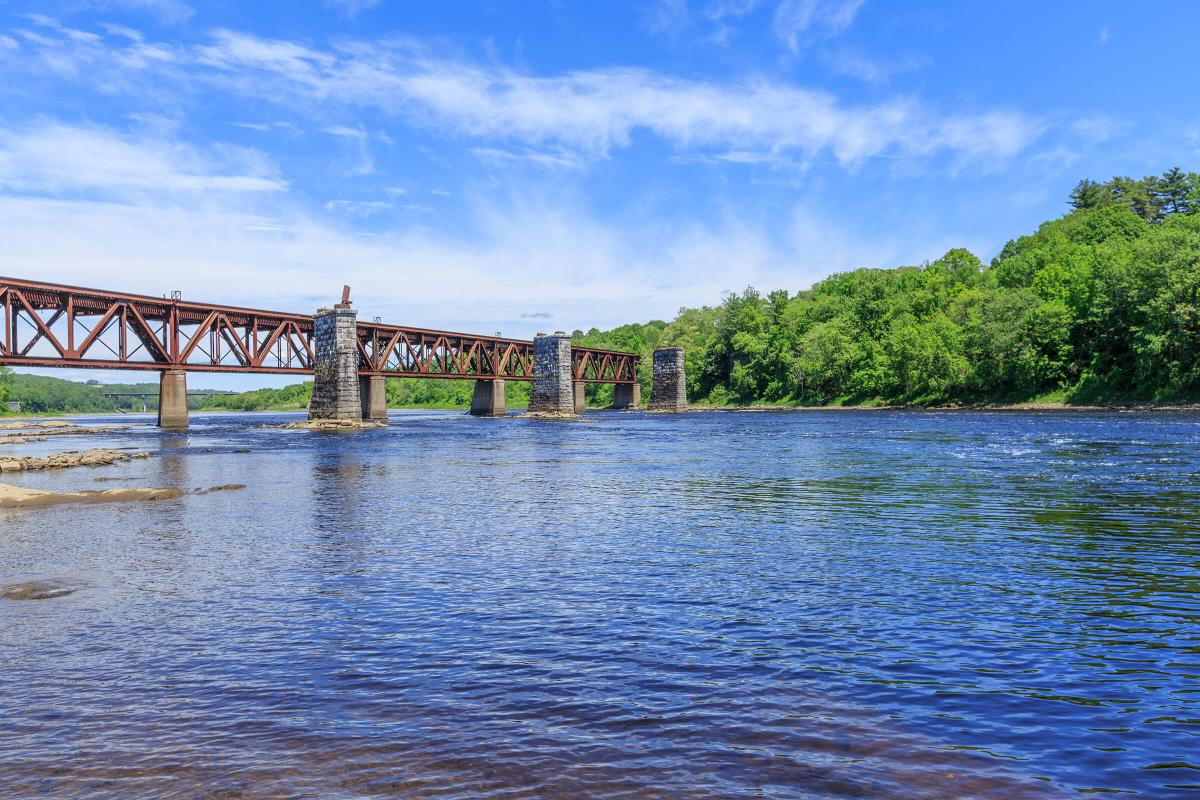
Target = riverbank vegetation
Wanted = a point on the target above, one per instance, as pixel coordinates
(1101, 305)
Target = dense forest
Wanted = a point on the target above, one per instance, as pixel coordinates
(1101, 305)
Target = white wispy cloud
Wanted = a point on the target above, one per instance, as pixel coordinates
(54, 158)
(351, 8)
(589, 112)
(358, 208)
(168, 11)
(878, 70)
(346, 132)
(798, 21)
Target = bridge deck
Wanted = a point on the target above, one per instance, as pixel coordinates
(51, 325)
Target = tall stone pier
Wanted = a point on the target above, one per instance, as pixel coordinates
(580, 397)
(488, 399)
(553, 384)
(627, 395)
(372, 389)
(172, 400)
(669, 392)
(336, 391)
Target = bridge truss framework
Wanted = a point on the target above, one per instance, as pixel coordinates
(50, 325)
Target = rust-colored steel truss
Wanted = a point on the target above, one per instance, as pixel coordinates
(47, 325)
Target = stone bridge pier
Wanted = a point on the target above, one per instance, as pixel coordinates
(553, 392)
(669, 392)
(488, 399)
(337, 392)
(173, 400)
(627, 395)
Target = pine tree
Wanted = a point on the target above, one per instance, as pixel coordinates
(1174, 191)
(1141, 196)
(1089, 194)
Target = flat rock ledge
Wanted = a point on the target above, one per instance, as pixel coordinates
(41, 590)
(26, 432)
(20, 497)
(66, 460)
(550, 415)
(334, 425)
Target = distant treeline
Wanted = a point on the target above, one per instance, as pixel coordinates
(401, 393)
(1100, 305)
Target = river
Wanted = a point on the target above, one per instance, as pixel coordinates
(853, 604)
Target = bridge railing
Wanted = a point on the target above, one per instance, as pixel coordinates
(52, 325)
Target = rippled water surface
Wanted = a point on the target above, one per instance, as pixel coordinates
(710, 605)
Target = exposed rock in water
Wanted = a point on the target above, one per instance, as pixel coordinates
(226, 487)
(40, 590)
(550, 415)
(27, 432)
(334, 425)
(19, 497)
(64, 460)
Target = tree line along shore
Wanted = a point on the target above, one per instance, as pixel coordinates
(1098, 307)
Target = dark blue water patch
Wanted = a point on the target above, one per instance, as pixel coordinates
(824, 605)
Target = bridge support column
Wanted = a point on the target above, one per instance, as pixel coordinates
(373, 391)
(580, 398)
(488, 399)
(627, 395)
(553, 392)
(172, 400)
(669, 392)
(336, 394)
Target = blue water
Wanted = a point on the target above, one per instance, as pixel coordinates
(710, 605)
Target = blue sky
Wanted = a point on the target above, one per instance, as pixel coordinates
(524, 166)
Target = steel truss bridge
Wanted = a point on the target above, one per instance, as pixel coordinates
(48, 325)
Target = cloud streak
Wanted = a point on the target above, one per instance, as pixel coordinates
(590, 113)
(54, 158)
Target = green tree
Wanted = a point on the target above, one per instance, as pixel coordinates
(1089, 194)
(1176, 190)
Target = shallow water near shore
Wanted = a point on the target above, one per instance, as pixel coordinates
(711, 605)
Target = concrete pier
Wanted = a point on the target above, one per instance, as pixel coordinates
(580, 398)
(488, 399)
(373, 391)
(627, 395)
(669, 392)
(336, 391)
(553, 384)
(172, 400)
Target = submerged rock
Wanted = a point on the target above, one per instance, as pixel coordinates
(225, 487)
(40, 590)
(19, 497)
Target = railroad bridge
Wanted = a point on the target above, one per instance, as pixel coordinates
(51, 325)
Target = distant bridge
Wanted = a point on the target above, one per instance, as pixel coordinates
(145, 396)
(49, 325)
